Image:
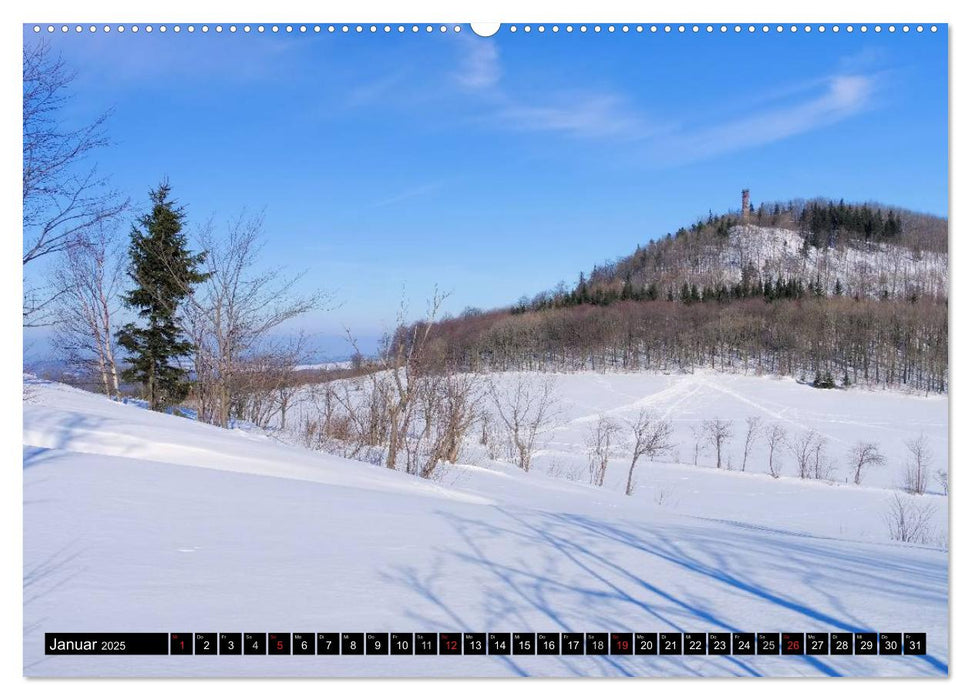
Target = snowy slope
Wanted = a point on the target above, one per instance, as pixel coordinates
(833, 507)
(867, 269)
(135, 521)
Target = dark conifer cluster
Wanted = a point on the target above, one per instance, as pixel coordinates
(163, 272)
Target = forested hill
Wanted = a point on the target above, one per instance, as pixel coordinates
(832, 292)
(793, 249)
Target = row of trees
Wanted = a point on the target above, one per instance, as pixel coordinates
(826, 221)
(767, 288)
(856, 342)
(651, 436)
(808, 449)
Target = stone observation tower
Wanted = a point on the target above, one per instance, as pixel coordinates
(745, 205)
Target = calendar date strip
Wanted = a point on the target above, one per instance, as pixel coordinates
(487, 643)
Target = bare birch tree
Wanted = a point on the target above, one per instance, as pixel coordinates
(822, 467)
(652, 437)
(775, 437)
(90, 275)
(718, 432)
(698, 437)
(861, 457)
(753, 430)
(806, 449)
(918, 465)
(601, 438)
(525, 407)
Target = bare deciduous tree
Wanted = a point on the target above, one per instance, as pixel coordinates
(600, 439)
(909, 521)
(861, 457)
(918, 465)
(807, 450)
(64, 199)
(231, 316)
(942, 480)
(264, 384)
(409, 402)
(489, 436)
(525, 406)
(717, 432)
(698, 435)
(446, 402)
(753, 430)
(652, 437)
(822, 467)
(775, 437)
(403, 360)
(90, 274)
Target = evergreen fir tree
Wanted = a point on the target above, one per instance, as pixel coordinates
(583, 295)
(686, 293)
(164, 271)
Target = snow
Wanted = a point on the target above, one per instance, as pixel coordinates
(137, 521)
(329, 365)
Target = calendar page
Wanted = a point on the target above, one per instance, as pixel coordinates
(558, 349)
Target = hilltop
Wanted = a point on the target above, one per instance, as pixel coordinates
(826, 292)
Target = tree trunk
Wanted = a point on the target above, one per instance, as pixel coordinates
(630, 477)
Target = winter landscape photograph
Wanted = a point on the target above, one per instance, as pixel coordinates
(563, 350)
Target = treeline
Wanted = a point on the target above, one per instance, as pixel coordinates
(824, 222)
(865, 341)
(767, 289)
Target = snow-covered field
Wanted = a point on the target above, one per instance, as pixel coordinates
(135, 521)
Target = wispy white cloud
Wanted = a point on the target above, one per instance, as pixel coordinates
(582, 115)
(842, 96)
(768, 117)
(368, 92)
(479, 67)
(409, 193)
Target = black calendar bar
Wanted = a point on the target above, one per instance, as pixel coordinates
(488, 643)
(108, 643)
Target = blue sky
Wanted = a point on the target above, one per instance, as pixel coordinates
(496, 167)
